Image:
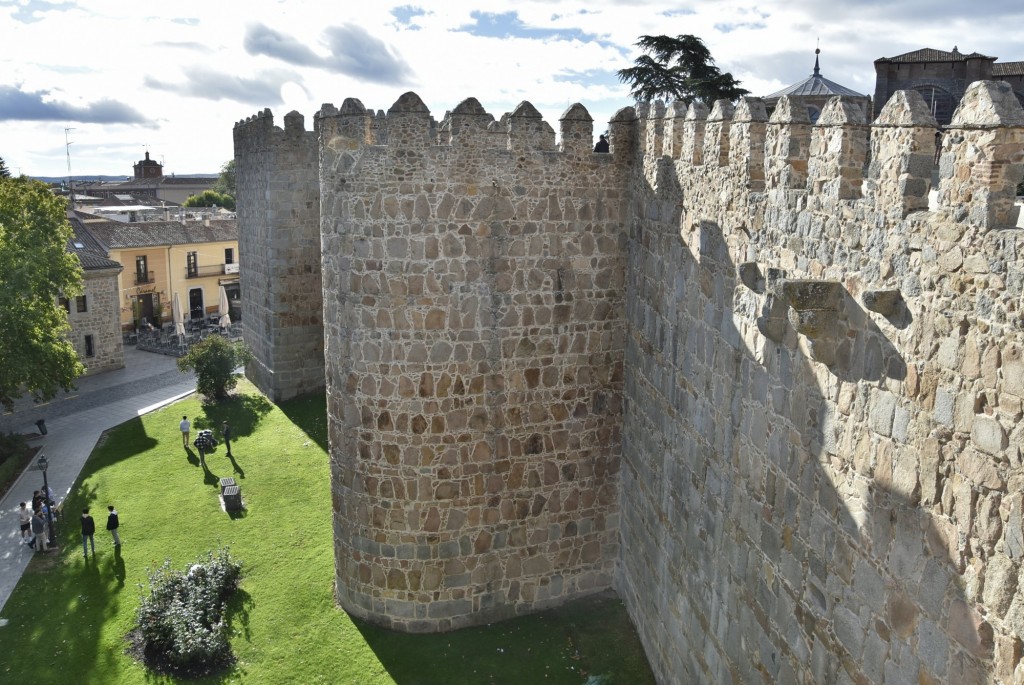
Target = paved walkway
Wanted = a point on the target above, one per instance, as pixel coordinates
(74, 422)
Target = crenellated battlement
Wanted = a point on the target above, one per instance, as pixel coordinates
(886, 164)
(762, 376)
(409, 124)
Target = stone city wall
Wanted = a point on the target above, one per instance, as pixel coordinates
(751, 371)
(473, 284)
(822, 446)
(279, 249)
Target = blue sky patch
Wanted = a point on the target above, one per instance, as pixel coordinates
(406, 14)
(509, 25)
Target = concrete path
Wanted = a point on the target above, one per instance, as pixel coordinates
(74, 422)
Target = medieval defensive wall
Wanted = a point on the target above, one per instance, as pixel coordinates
(763, 378)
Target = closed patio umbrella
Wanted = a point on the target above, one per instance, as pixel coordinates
(179, 326)
(223, 309)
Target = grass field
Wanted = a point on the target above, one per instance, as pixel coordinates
(68, 618)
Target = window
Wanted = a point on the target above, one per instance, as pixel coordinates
(191, 264)
(64, 302)
(229, 255)
(141, 269)
(80, 304)
(90, 351)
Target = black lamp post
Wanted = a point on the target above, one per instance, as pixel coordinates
(43, 465)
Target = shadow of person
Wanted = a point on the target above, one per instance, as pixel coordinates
(191, 456)
(209, 477)
(119, 569)
(234, 466)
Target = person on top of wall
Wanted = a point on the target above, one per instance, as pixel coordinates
(602, 144)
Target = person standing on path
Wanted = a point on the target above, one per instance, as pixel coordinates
(225, 432)
(25, 521)
(113, 523)
(185, 427)
(39, 530)
(88, 530)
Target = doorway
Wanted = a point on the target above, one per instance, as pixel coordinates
(195, 304)
(144, 313)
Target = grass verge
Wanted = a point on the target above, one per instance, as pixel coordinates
(69, 617)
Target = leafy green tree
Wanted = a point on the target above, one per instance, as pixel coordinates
(36, 358)
(225, 184)
(4, 171)
(679, 68)
(214, 360)
(210, 198)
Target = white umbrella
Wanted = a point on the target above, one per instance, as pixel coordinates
(224, 309)
(179, 326)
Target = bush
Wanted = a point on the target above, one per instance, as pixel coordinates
(180, 625)
(12, 445)
(214, 360)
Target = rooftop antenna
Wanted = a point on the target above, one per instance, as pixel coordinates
(67, 150)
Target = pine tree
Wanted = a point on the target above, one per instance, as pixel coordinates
(679, 68)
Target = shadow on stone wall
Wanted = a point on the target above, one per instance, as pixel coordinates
(767, 536)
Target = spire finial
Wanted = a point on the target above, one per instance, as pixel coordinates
(817, 51)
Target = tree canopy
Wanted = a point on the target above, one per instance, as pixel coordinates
(36, 358)
(679, 68)
(210, 198)
(214, 361)
(4, 171)
(225, 184)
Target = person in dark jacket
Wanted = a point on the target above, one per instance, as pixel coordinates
(113, 523)
(602, 144)
(88, 530)
(225, 433)
(39, 530)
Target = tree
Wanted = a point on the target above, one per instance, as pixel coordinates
(210, 198)
(680, 68)
(214, 360)
(225, 184)
(36, 358)
(4, 171)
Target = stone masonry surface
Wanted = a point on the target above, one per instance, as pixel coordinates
(747, 371)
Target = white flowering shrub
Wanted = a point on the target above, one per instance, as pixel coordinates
(180, 625)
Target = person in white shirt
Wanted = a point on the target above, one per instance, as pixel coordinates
(185, 427)
(25, 520)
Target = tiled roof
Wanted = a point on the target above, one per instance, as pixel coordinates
(932, 55)
(91, 254)
(815, 85)
(1008, 69)
(117, 235)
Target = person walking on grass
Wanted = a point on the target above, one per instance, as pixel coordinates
(185, 427)
(39, 530)
(225, 432)
(88, 530)
(113, 523)
(25, 521)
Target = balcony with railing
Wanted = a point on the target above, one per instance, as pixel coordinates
(143, 277)
(210, 270)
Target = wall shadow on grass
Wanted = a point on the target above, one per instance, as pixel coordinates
(592, 636)
(308, 414)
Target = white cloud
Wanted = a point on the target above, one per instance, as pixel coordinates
(178, 78)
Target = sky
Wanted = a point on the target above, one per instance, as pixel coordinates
(109, 80)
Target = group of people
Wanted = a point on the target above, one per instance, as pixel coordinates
(89, 529)
(34, 523)
(202, 443)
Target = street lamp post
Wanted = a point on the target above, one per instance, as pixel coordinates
(43, 465)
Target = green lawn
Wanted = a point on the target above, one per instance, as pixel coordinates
(68, 618)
